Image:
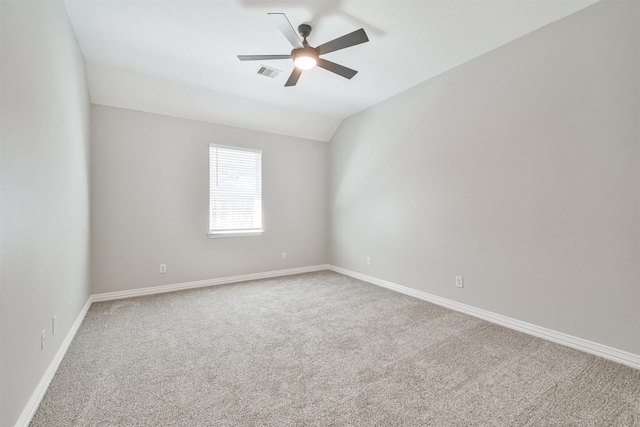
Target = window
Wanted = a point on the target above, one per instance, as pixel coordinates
(235, 191)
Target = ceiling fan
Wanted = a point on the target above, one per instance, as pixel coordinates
(306, 57)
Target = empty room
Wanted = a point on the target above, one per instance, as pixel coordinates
(329, 213)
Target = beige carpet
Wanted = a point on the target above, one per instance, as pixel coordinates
(326, 350)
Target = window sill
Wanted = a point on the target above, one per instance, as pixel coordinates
(234, 233)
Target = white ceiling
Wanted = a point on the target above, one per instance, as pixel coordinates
(179, 57)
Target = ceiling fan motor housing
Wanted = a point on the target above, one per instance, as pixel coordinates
(304, 51)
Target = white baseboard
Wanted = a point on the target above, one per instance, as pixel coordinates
(36, 397)
(202, 283)
(620, 356)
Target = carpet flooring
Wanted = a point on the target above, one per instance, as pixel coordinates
(322, 349)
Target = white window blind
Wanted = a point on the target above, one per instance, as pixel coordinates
(235, 190)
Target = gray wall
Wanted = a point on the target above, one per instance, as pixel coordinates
(518, 170)
(44, 193)
(150, 202)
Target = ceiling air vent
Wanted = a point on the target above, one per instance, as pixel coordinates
(268, 71)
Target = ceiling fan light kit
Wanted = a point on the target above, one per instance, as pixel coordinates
(306, 57)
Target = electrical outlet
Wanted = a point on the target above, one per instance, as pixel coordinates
(43, 338)
(163, 268)
(459, 282)
(284, 256)
(53, 325)
(369, 260)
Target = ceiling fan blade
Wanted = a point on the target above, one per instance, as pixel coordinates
(262, 57)
(293, 78)
(283, 24)
(345, 72)
(348, 40)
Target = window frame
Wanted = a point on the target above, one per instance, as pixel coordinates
(238, 232)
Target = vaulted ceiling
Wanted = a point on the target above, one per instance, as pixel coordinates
(179, 57)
